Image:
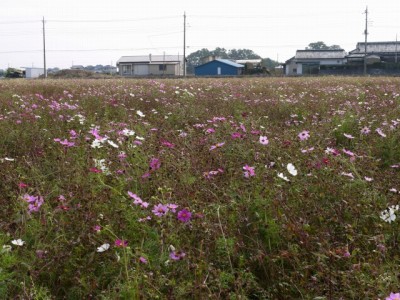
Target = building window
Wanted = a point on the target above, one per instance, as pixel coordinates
(162, 67)
(127, 69)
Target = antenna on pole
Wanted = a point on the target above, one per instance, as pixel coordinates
(365, 45)
(184, 44)
(44, 51)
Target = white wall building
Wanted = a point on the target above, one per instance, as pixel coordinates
(33, 72)
(150, 65)
(311, 61)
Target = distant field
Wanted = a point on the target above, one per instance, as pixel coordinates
(252, 188)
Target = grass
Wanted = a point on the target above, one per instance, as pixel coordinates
(86, 146)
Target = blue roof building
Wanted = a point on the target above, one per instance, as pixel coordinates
(219, 67)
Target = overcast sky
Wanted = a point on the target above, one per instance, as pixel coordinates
(90, 32)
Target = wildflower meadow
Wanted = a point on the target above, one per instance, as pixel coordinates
(248, 188)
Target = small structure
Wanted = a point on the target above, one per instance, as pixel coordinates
(77, 67)
(312, 61)
(159, 65)
(219, 67)
(31, 72)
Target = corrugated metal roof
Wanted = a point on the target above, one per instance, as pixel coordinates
(231, 63)
(154, 58)
(320, 54)
(251, 61)
(376, 47)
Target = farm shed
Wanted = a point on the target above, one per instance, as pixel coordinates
(33, 72)
(219, 67)
(311, 61)
(376, 52)
(146, 65)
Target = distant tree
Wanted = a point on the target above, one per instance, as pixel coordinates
(242, 54)
(322, 46)
(2, 73)
(269, 63)
(14, 73)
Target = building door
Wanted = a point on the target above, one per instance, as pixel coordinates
(219, 70)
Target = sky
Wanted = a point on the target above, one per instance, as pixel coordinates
(91, 32)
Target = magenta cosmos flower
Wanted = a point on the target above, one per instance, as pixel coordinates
(184, 215)
(121, 243)
(304, 135)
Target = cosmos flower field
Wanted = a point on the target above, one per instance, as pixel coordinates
(251, 188)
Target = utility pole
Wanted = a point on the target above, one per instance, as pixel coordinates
(366, 34)
(395, 58)
(44, 51)
(184, 44)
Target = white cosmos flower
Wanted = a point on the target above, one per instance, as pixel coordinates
(140, 114)
(18, 242)
(128, 132)
(388, 215)
(103, 247)
(280, 175)
(111, 143)
(291, 169)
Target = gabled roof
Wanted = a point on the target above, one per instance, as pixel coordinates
(151, 59)
(224, 61)
(320, 54)
(231, 63)
(376, 47)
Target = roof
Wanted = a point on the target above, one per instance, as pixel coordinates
(153, 58)
(376, 47)
(231, 63)
(251, 61)
(320, 54)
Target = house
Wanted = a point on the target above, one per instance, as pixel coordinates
(168, 65)
(315, 61)
(375, 52)
(77, 67)
(219, 67)
(33, 72)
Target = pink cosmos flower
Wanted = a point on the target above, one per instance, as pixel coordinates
(155, 163)
(365, 130)
(348, 152)
(304, 135)
(393, 296)
(143, 260)
(160, 210)
(219, 145)
(22, 185)
(184, 215)
(248, 171)
(210, 130)
(97, 228)
(167, 144)
(264, 140)
(35, 202)
(177, 255)
(138, 200)
(349, 136)
(172, 207)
